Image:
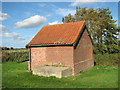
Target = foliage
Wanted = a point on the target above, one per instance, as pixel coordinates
(106, 59)
(14, 56)
(101, 25)
(15, 75)
(7, 48)
(4, 48)
(103, 49)
(11, 48)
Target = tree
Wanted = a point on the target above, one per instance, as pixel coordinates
(101, 25)
(5, 48)
(11, 48)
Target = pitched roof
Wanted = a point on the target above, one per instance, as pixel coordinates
(59, 34)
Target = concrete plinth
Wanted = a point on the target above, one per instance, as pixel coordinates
(58, 72)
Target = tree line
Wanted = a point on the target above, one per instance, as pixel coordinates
(10, 48)
(6, 48)
(102, 28)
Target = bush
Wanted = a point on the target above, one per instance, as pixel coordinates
(14, 56)
(103, 49)
(106, 59)
(11, 48)
(5, 48)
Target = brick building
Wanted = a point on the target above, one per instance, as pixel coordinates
(67, 44)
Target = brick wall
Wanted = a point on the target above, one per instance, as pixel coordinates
(83, 54)
(38, 57)
(60, 55)
(51, 56)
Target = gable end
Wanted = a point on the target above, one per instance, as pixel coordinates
(80, 34)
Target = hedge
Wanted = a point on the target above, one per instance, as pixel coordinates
(15, 56)
(107, 59)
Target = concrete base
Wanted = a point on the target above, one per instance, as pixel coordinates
(58, 72)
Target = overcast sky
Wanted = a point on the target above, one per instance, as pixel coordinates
(22, 20)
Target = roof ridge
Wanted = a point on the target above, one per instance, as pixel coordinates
(64, 23)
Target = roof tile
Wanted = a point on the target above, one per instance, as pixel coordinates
(66, 33)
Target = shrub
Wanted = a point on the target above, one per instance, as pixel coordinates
(103, 49)
(14, 56)
(11, 48)
(106, 59)
(5, 48)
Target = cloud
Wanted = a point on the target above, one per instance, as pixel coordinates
(12, 35)
(31, 22)
(42, 5)
(27, 13)
(3, 16)
(85, 2)
(80, 3)
(2, 28)
(55, 22)
(65, 11)
(48, 15)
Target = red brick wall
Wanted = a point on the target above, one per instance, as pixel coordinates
(38, 57)
(60, 55)
(52, 56)
(83, 54)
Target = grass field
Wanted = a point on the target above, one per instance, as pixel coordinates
(15, 75)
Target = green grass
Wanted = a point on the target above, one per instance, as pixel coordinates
(15, 75)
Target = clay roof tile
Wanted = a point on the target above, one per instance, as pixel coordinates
(65, 33)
